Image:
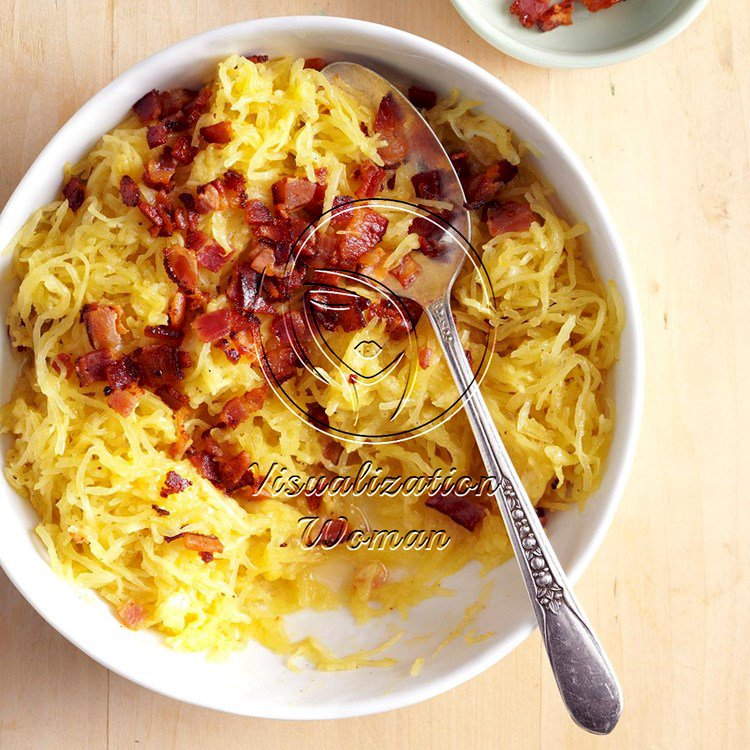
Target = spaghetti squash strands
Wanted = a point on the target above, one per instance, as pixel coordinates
(154, 249)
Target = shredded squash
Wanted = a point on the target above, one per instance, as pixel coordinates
(93, 476)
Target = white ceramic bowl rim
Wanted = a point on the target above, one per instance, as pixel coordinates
(584, 59)
(132, 80)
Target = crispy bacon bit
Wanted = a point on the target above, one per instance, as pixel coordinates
(211, 197)
(182, 268)
(461, 510)
(167, 334)
(256, 212)
(388, 124)
(74, 192)
(339, 309)
(407, 271)
(161, 214)
(257, 58)
(156, 135)
(316, 63)
(125, 401)
(401, 319)
(237, 410)
(235, 185)
(371, 179)
(174, 483)
(176, 311)
(334, 531)
(364, 230)
(92, 367)
(160, 511)
(422, 98)
(101, 323)
(214, 325)
(63, 365)
(460, 161)
(597, 5)
(160, 364)
(425, 357)
(182, 151)
(132, 615)
(560, 14)
(198, 542)
(332, 451)
(148, 107)
(485, 186)
(210, 255)
(290, 193)
(159, 172)
(243, 290)
(282, 362)
(509, 216)
(220, 132)
(129, 192)
(427, 185)
(122, 373)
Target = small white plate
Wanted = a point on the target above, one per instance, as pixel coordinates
(622, 32)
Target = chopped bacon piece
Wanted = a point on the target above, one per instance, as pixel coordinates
(159, 364)
(160, 511)
(485, 186)
(182, 151)
(236, 472)
(211, 197)
(129, 192)
(425, 357)
(316, 63)
(235, 185)
(167, 334)
(422, 98)
(596, 5)
(63, 365)
(364, 230)
(371, 179)
(198, 542)
(210, 255)
(407, 271)
(257, 58)
(400, 319)
(101, 323)
(283, 362)
(334, 531)
(197, 107)
(175, 100)
(182, 268)
(238, 409)
(215, 325)
(174, 483)
(427, 185)
(132, 615)
(125, 401)
(74, 192)
(176, 310)
(340, 309)
(509, 216)
(460, 161)
(290, 193)
(461, 510)
(159, 172)
(243, 290)
(148, 107)
(161, 214)
(388, 122)
(156, 135)
(122, 373)
(256, 212)
(220, 132)
(92, 367)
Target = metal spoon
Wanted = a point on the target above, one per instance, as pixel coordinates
(583, 673)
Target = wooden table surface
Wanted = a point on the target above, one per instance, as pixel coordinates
(666, 139)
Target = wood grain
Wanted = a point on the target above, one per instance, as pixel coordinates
(666, 139)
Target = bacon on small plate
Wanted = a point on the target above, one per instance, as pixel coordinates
(546, 14)
(102, 325)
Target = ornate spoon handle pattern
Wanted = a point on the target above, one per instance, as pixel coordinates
(583, 673)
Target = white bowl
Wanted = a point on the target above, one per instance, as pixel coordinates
(256, 682)
(623, 32)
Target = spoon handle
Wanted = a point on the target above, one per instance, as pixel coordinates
(583, 673)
